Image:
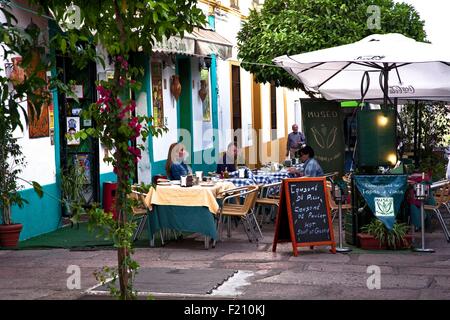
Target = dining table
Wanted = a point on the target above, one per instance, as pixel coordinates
(184, 209)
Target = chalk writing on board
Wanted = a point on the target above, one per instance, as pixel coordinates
(309, 211)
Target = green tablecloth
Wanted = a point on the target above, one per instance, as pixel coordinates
(182, 218)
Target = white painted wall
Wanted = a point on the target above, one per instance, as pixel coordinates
(39, 153)
(224, 104)
(101, 75)
(294, 116)
(246, 107)
(280, 113)
(265, 112)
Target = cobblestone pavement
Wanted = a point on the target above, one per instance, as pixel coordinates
(314, 274)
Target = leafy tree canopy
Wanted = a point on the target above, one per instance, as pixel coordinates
(124, 26)
(297, 26)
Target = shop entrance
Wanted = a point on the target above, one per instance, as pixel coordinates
(184, 103)
(76, 154)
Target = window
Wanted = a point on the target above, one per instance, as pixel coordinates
(273, 110)
(236, 96)
(157, 95)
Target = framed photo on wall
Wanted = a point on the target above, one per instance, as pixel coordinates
(157, 94)
(73, 126)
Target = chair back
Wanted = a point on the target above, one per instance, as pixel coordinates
(268, 189)
(139, 208)
(250, 199)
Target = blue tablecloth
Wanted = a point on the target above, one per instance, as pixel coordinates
(181, 218)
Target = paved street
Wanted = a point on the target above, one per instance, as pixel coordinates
(41, 274)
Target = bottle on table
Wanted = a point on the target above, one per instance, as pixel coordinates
(226, 174)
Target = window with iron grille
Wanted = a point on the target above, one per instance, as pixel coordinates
(234, 4)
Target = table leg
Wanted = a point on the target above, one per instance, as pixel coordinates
(206, 242)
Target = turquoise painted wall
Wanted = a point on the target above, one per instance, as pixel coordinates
(41, 215)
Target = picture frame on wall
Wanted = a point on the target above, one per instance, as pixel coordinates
(157, 94)
(78, 91)
(204, 95)
(73, 126)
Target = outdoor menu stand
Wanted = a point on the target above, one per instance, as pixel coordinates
(421, 192)
(303, 216)
(337, 195)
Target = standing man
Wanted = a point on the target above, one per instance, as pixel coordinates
(295, 141)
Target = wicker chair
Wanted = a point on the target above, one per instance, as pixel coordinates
(244, 211)
(139, 211)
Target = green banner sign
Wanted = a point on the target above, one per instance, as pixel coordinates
(384, 195)
(323, 129)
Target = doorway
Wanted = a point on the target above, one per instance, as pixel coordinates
(78, 153)
(185, 105)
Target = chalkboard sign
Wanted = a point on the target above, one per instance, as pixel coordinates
(304, 214)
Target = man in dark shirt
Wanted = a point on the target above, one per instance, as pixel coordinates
(295, 141)
(229, 159)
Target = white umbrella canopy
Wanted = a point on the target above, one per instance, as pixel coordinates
(415, 70)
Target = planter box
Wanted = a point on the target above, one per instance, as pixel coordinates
(369, 242)
(407, 245)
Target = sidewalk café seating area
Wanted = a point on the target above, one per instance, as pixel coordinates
(251, 199)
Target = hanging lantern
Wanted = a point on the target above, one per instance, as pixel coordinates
(175, 87)
(203, 90)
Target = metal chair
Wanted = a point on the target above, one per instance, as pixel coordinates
(139, 211)
(268, 197)
(441, 198)
(333, 205)
(243, 211)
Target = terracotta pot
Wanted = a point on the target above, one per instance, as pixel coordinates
(17, 76)
(9, 235)
(368, 242)
(175, 87)
(203, 90)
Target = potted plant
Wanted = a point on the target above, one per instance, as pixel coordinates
(11, 160)
(375, 236)
(73, 180)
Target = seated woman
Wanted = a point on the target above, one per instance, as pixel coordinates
(311, 168)
(175, 165)
(229, 159)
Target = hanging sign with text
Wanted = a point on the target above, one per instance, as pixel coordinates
(323, 129)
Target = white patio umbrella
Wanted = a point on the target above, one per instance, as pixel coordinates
(378, 67)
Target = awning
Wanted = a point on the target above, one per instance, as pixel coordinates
(199, 42)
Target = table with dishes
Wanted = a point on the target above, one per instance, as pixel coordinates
(184, 209)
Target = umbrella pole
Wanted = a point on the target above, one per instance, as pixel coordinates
(386, 85)
(416, 158)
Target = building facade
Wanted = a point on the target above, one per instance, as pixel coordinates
(219, 102)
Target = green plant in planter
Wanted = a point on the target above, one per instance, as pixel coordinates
(11, 163)
(393, 237)
(73, 180)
